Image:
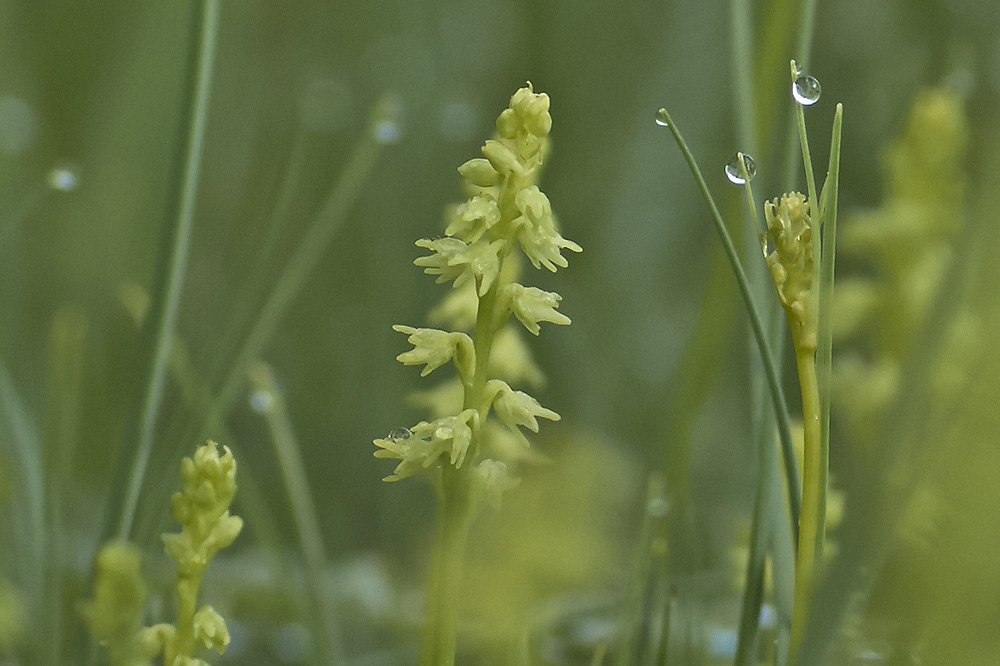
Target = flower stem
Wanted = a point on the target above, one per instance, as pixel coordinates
(454, 520)
(812, 527)
(455, 512)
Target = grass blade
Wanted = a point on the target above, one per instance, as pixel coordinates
(22, 432)
(326, 635)
(124, 497)
(777, 395)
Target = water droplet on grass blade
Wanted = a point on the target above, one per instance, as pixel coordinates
(400, 433)
(386, 131)
(735, 174)
(806, 90)
(261, 401)
(64, 178)
(657, 507)
(661, 118)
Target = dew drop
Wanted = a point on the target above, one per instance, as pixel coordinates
(735, 174)
(386, 127)
(806, 90)
(386, 131)
(798, 68)
(64, 178)
(657, 507)
(261, 401)
(400, 433)
(661, 118)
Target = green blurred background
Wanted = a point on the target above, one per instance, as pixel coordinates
(89, 119)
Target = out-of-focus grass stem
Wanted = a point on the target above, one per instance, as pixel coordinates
(303, 262)
(270, 402)
(67, 347)
(23, 436)
(638, 585)
(170, 280)
(824, 342)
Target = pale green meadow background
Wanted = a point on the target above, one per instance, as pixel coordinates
(89, 113)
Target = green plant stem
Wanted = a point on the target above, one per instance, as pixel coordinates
(813, 521)
(326, 637)
(800, 118)
(169, 285)
(638, 583)
(753, 586)
(20, 430)
(455, 512)
(777, 395)
(824, 338)
(454, 521)
(67, 350)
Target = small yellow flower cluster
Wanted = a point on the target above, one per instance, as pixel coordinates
(789, 229)
(504, 211)
(114, 616)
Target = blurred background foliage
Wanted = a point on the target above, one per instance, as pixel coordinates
(89, 113)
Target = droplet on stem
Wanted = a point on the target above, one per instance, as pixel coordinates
(400, 433)
(735, 174)
(806, 90)
(661, 118)
(64, 178)
(262, 401)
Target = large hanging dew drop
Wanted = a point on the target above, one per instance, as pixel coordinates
(806, 90)
(735, 174)
(661, 118)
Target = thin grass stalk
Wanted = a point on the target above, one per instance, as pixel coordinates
(326, 639)
(663, 655)
(249, 299)
(803, 56)
(22, 433)
(774, 384)
(824, 343)
(300, 267)
(638, 584)
(67, 347)
(658, 641)
(813, 520)
(170, 281)
(753, 585)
